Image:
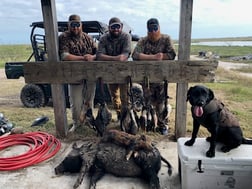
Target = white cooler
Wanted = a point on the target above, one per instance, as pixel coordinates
(226, 170)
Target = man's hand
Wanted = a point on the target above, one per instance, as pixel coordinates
(89, 57)
(122, 57)
(159, 56)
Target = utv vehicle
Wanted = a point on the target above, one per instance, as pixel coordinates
(37, 95)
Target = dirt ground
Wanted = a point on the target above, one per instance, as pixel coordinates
(230, 66)
(43, 176)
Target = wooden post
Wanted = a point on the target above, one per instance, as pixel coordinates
(186, 7)
(58, 93)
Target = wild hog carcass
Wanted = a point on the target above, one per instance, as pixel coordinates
(110, 157)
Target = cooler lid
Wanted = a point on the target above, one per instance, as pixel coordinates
(241, 155)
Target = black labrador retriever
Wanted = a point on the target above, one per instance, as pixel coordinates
(219, 121)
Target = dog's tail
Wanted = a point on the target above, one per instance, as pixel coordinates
(246, 141)
(168, 165)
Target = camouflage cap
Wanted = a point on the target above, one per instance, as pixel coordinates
(74, 18)
(152, 21)
(114, 20)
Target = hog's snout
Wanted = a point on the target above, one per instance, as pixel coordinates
(69, 164)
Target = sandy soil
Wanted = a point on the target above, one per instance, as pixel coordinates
(233, 66)
(2, 74)
(228, 65)
(42, 175)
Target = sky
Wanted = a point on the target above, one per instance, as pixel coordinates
(211, 18)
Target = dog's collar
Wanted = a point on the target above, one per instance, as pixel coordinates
(212, 106)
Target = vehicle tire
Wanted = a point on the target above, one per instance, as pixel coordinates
(32, 96)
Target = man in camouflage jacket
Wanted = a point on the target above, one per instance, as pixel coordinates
(155, 46)
(115, 46)
(75, 45)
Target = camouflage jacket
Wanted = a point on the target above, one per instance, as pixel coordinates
(226, 119)
(76, 45)
(164, 45)
(114, 46)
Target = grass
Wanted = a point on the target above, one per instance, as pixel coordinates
(235, 91)
(247, 69)
(223, 52)
(14, 53)
(249, 38)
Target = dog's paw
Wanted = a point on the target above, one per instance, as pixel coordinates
(225, 149)
(189, 142)
(210, 153)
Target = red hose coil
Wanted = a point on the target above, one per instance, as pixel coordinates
(42, 146)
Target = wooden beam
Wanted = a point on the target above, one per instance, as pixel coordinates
(116, 72)
(58, 93)
(186, 8)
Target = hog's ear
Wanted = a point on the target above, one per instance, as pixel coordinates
(189, 93)
(211, 94)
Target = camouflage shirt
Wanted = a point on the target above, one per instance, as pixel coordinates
(76, 45)
(164, 45)
(114, 46)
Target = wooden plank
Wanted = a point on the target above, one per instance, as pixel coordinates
(58, 93)
(116, 72)
(186, 8)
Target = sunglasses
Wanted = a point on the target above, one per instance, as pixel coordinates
(75, 24)
(153, 28)
(115, 26)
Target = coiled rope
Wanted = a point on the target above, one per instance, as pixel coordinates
(42, 146)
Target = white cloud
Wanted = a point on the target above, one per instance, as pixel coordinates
(210, 18)
(221, 12)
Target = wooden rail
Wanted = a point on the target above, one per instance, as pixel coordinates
(116, 72)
